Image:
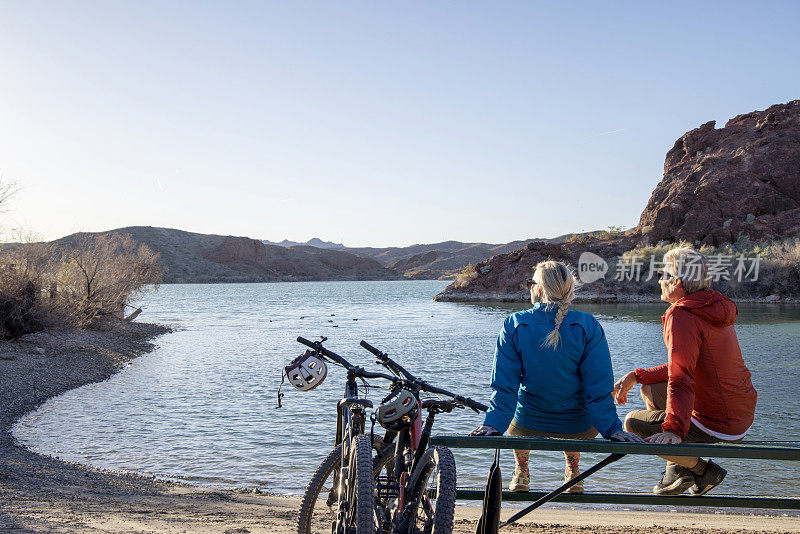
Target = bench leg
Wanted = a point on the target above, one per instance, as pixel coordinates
(561, 489)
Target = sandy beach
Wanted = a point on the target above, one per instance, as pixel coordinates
(44, 494)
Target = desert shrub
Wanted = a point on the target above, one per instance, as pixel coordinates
(24, 271)
(467, 275)
(98, 275)
(582, 239)
(76, 285)
(610, 233)
(20, 308)
(578, 239)
(778, 267)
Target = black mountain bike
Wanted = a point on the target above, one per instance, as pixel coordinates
(418, 494)
(414, 486)
(346, 476)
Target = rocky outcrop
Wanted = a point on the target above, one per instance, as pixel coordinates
(719, 186)
(502, 277)
(723, 184)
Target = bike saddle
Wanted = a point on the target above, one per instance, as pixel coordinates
(356, 402)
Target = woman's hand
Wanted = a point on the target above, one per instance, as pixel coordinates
(485, 430)
(621, 435)
(665, 438)
(623, 386)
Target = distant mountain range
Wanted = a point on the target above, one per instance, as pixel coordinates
(189, 257)
(430, 262)
(313, 242)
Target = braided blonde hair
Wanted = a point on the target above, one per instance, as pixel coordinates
(558, 290)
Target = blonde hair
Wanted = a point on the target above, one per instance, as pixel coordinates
(558, 289)
(690, 267)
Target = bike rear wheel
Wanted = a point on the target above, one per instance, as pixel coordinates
(321, 497)
(436, 471)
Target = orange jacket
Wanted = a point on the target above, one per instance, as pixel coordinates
(707, 380)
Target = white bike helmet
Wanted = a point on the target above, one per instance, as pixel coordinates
(398, 410)
(306, 371)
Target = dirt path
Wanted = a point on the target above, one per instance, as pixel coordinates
(43, 494)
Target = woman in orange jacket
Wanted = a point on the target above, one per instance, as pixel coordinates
(703, 394)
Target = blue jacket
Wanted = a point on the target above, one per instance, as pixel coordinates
(563, 390)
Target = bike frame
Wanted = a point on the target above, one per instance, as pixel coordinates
(408, 449)
(350, 420)
(404, 467)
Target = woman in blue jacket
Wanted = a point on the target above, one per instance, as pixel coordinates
(552, 374)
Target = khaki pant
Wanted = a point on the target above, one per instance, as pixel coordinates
(515, 429)
(645, 423)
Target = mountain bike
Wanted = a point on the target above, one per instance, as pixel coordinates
(402, 474)
(418, 494)
(348, 468)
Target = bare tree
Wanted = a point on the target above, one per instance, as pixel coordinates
(7, 190)
(100, 274)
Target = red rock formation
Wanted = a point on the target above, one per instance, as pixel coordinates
(502, 277)
(721, 184)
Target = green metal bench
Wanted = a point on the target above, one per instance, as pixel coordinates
(752, 450)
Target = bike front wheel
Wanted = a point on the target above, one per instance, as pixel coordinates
(321, 497)
(435, 474)
(360, 490)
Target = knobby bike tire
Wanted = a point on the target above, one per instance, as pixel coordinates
(361, 487)
(382, 460)
(445, 485)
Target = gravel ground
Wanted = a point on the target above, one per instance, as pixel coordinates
(44, 494)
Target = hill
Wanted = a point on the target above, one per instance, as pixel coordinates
(435, 261)
(188, 257)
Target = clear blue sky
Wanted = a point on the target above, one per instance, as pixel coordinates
(369, 123)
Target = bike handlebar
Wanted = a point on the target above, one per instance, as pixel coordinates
(392, 365)
(359, 371)
(387, 361)
(317, 346)
(424, 386)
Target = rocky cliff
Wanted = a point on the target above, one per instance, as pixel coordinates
(721, 184)
(502, 277)
(734, 184)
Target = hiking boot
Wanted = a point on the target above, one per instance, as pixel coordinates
(675, 481)
(569, 475)
(712, 477)
(520, 481)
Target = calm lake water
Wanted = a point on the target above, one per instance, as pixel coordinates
(202, 407)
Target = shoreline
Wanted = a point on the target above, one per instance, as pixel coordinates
(589, 298)
(40, 493)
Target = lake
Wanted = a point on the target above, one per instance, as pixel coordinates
(202, 407)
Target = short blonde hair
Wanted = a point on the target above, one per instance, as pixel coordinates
(558, 289)
(688, 265)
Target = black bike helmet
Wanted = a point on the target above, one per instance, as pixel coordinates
(398, 410)
(307, 371)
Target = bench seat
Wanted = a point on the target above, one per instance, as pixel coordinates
(789, 451)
